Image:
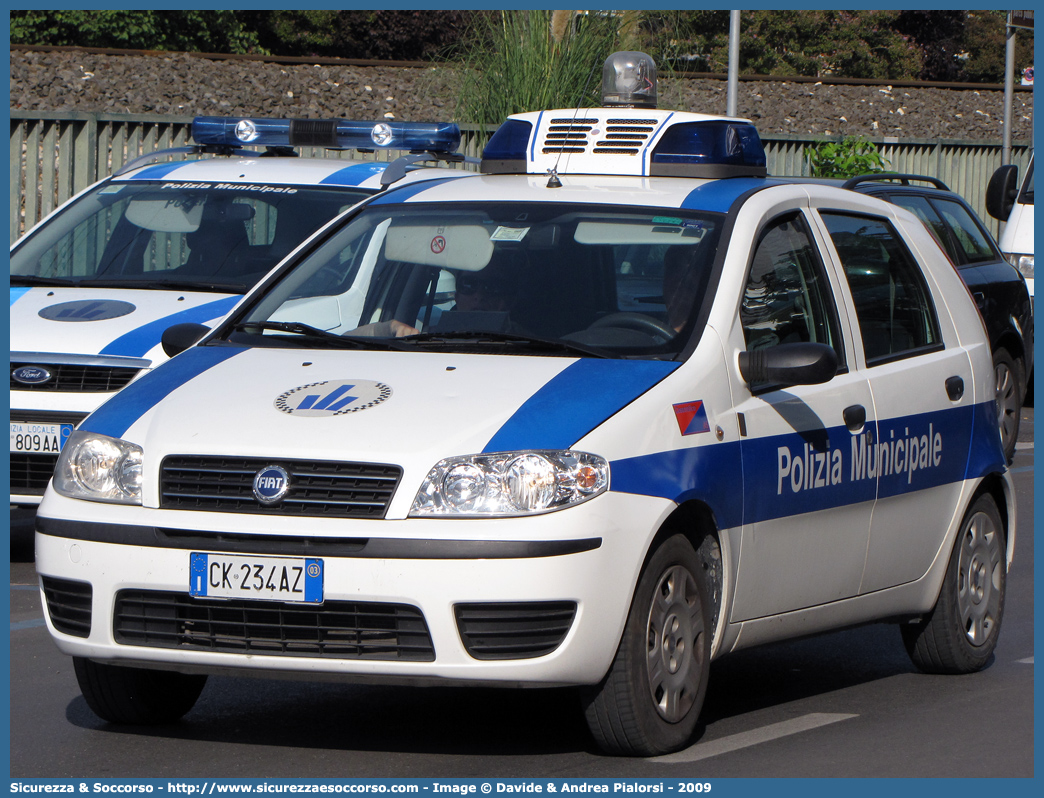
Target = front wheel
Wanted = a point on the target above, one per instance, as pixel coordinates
(136, 696)
(649, 701)
(960, 633)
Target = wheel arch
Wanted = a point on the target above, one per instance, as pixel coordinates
(695, 519)
(1002, 490)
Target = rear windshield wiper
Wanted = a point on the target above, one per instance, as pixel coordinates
(515, 341)
(314, 334)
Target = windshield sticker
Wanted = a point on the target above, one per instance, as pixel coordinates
(509, 234)
(692, 417)
(332, 397)
(667, 220)
(113, 189)
(438, 244)
(230, 187)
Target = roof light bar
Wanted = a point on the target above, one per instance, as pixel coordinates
(333, 133)
(710, 149)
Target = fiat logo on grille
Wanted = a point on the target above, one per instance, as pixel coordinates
(271, 484)
(31, 375)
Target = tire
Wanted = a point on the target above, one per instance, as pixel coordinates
(136, 696)
(1009, 400)
(960, 633)
(649, 701)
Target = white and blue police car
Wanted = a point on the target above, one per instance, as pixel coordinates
(616, 406)
(164, 241)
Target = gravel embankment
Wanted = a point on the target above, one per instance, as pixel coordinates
(187, 85)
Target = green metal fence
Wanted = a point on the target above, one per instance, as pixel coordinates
(55, 155)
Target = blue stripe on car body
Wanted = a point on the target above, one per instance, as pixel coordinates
(837, 467)
(117, 415)
(139, 341)
(720, 195)
(575, 401)
(158, 171)
(18, 293)
(353, 175)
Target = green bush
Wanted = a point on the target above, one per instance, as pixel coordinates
(848, 157)
(513, 62)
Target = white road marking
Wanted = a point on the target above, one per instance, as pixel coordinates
(734, 742)
(1027, 661)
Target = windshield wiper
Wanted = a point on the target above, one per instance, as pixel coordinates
(32, 279)
(314, 334)
(139, 283)
(526, 343)
(181, 285)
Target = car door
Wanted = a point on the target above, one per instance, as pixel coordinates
(923, 397)
(806, 523)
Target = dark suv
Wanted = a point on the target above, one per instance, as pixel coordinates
(998, 287)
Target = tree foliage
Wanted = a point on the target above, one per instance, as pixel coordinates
(966, 46)
(946, 45)
(199, 31)
(382, 35)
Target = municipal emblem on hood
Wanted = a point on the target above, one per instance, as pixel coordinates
(271, 484)
(31, 375)
(87, 310)
(332, 398)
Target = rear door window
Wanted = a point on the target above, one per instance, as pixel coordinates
(896, 316)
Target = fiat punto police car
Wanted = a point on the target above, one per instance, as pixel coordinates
(95, 284)
(615, 407)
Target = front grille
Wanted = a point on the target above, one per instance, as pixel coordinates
(515, 630)
(333, 630)
(30, 472)
(69, 605)
(317, 488)
(70, 378)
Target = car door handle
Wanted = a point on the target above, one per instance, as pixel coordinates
(855, 417)
(955, 388)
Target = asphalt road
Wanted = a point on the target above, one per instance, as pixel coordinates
(847, 704)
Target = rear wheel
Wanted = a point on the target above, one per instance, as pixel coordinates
(1009, 400)
(650, 700)
(960, 633)
(136, 696)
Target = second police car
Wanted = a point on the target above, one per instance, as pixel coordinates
(616, 407)
(164, 241)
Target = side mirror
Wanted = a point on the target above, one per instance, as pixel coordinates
(1001, 192)
(180, 337)
(789, 364)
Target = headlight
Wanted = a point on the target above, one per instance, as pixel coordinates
(510, 483)
(1024, 263)
(99, 468)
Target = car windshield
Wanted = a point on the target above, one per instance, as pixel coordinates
(186, 236)
(511, 277)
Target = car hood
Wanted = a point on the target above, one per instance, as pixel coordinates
(105, 321)
(407, 408)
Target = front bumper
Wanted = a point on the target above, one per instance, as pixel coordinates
(588, 556)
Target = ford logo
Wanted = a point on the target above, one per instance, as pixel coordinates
(31, 375)
(271, 484)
